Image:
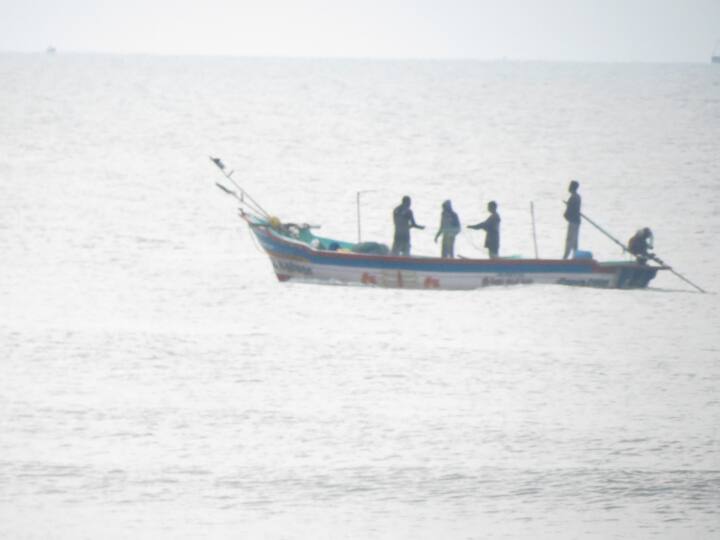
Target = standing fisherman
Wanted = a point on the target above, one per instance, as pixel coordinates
(572, 216)
(492, 230)
(449, 229)
(404, 221)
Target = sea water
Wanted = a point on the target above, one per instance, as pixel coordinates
(156, 381)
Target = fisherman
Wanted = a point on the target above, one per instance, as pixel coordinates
(572, 216)
(404, 221)
(449, 229)
(640, 244)
(492, 230)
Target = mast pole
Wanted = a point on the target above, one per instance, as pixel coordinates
(532, 215)
(357, 205)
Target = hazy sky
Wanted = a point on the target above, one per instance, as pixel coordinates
(605, 30)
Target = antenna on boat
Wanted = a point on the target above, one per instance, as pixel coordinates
(532, 216)
(357, 206)
(252, 204)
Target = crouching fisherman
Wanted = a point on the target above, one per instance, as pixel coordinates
(641, 244)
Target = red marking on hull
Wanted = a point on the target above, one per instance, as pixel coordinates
(432, 283)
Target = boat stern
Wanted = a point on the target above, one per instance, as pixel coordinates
(634, 275)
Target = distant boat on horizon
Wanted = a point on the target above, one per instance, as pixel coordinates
(715, 59)
(50, 50)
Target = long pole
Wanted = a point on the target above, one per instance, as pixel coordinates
(599, 228)
(657, 259)
(678, 274)
(532, 215)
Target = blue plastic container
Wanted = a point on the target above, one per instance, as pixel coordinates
(583, 255)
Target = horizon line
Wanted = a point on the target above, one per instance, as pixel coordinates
(56, 52)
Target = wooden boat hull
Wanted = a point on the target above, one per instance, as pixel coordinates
(297, 261)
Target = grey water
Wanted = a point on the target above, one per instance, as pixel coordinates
(156, 381)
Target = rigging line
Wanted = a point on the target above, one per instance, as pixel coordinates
(471, 239)
(240, 198)
(220, 165)
(255, 241)
(244, 194)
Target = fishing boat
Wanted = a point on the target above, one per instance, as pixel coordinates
(715, 58)
(298, 254)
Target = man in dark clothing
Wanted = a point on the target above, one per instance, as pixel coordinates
(449, 229)
(492, 230)
(572, 216)
(640, 243)
(404, 221)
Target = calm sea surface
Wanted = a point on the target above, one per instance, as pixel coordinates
(156, 381)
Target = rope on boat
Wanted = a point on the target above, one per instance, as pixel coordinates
(471, 240)
(255, 242)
